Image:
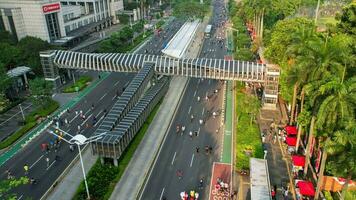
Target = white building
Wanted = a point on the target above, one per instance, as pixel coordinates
(55, 19)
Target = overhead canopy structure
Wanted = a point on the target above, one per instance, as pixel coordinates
(177, 46)
(260, 185)
(306, 188)
(18, 71)
(291, 130)
(291, 141)
(298, 160)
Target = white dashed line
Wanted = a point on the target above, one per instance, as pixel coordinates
(190, 108)
(36, 161)
(174, 157)
(86, 119)
(51, 165)
(160, 198)
(191, 161)
(101, 98)
(195, 93)
(202, 113)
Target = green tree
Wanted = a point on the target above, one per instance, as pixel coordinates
(184, 10)
(9, 55)
(347, 22)
(30, 48)
(41, 91)
(7, 37)
(7, 185)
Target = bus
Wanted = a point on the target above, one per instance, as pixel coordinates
(207, 31)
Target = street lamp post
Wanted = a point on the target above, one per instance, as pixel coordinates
(79, 140)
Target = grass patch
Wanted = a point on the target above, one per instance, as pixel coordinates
(103, 178)
(81, 83)
(30, 122)
(248, 139)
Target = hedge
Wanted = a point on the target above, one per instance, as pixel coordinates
(81, 83)
(30, 122)
(103, 178)
(248, 139)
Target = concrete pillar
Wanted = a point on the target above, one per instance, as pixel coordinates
(102, 160)
(134, 15)
(116, 163)
(86, 8)
(25, 78)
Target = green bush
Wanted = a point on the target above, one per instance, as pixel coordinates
(248, 139)
(327, 195)
(103, 178)
(81, 83)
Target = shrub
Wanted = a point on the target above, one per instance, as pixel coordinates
(81, 83)
(14, 137)
(248, 139)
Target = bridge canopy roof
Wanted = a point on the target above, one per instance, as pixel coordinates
(181, 40)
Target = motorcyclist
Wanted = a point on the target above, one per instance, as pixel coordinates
(198, 98)
(191, 118)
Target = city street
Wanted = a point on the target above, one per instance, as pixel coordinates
(183, 160)
(45, 167)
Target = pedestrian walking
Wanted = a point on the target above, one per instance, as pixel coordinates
(210, 149)
(47, 161)
(66, 121)
(26, 168)
(78, 128)
(191, 134)
(197, 149)
(196, 133)
(33, 181)
(273, 194)
(9, 174)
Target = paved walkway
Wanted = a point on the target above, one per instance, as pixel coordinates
(133, 178)
(10, 121)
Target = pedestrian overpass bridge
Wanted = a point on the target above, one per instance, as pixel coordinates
(210, 68)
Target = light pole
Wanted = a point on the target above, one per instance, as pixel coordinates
(79, 140)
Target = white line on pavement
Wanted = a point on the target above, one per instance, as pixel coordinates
(87, 112)
(198, 131)
(116, 83)
(99, 113)
(86, 119)
(190, 108)
(102, 117)
(202, 113)
(36, 161)
(113, 97)
(51, 165)
(74, 118)
(160, 198)
(195, 93)
(101, 98)
(20, 197)
(174, 157)
(23, 109)
(191, 161)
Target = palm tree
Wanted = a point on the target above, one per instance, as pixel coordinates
(337, 98)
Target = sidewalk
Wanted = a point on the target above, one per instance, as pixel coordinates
(278, 161)
(133, 178)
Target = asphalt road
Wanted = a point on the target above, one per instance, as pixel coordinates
(179, 152)
(103, 97)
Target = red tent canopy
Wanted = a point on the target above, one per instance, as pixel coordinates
(291, 130)
(291, 141)
(306, 188)
(298, 161)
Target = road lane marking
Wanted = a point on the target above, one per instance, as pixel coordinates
(114, 97)
(86, 119)
(12, 116)
(20, 197)
(99, 113)
(102, 117)
(70, 121)
(195, 93)
(198, 131)
(160, 198)
(51, 165)
(202, 113)
(191, 161)
(190, 108)
(175, 153)
(101, 98)
(36, 161)
(86, 112)
(116, 83)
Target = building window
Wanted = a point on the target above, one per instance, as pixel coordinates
(12, 26)
(67, 28)
(53, 26)
(2, 25)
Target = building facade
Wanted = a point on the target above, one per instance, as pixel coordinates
(53, 20)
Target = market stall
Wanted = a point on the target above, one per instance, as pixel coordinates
(298, 164)
(291, 130)
(305, 189)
